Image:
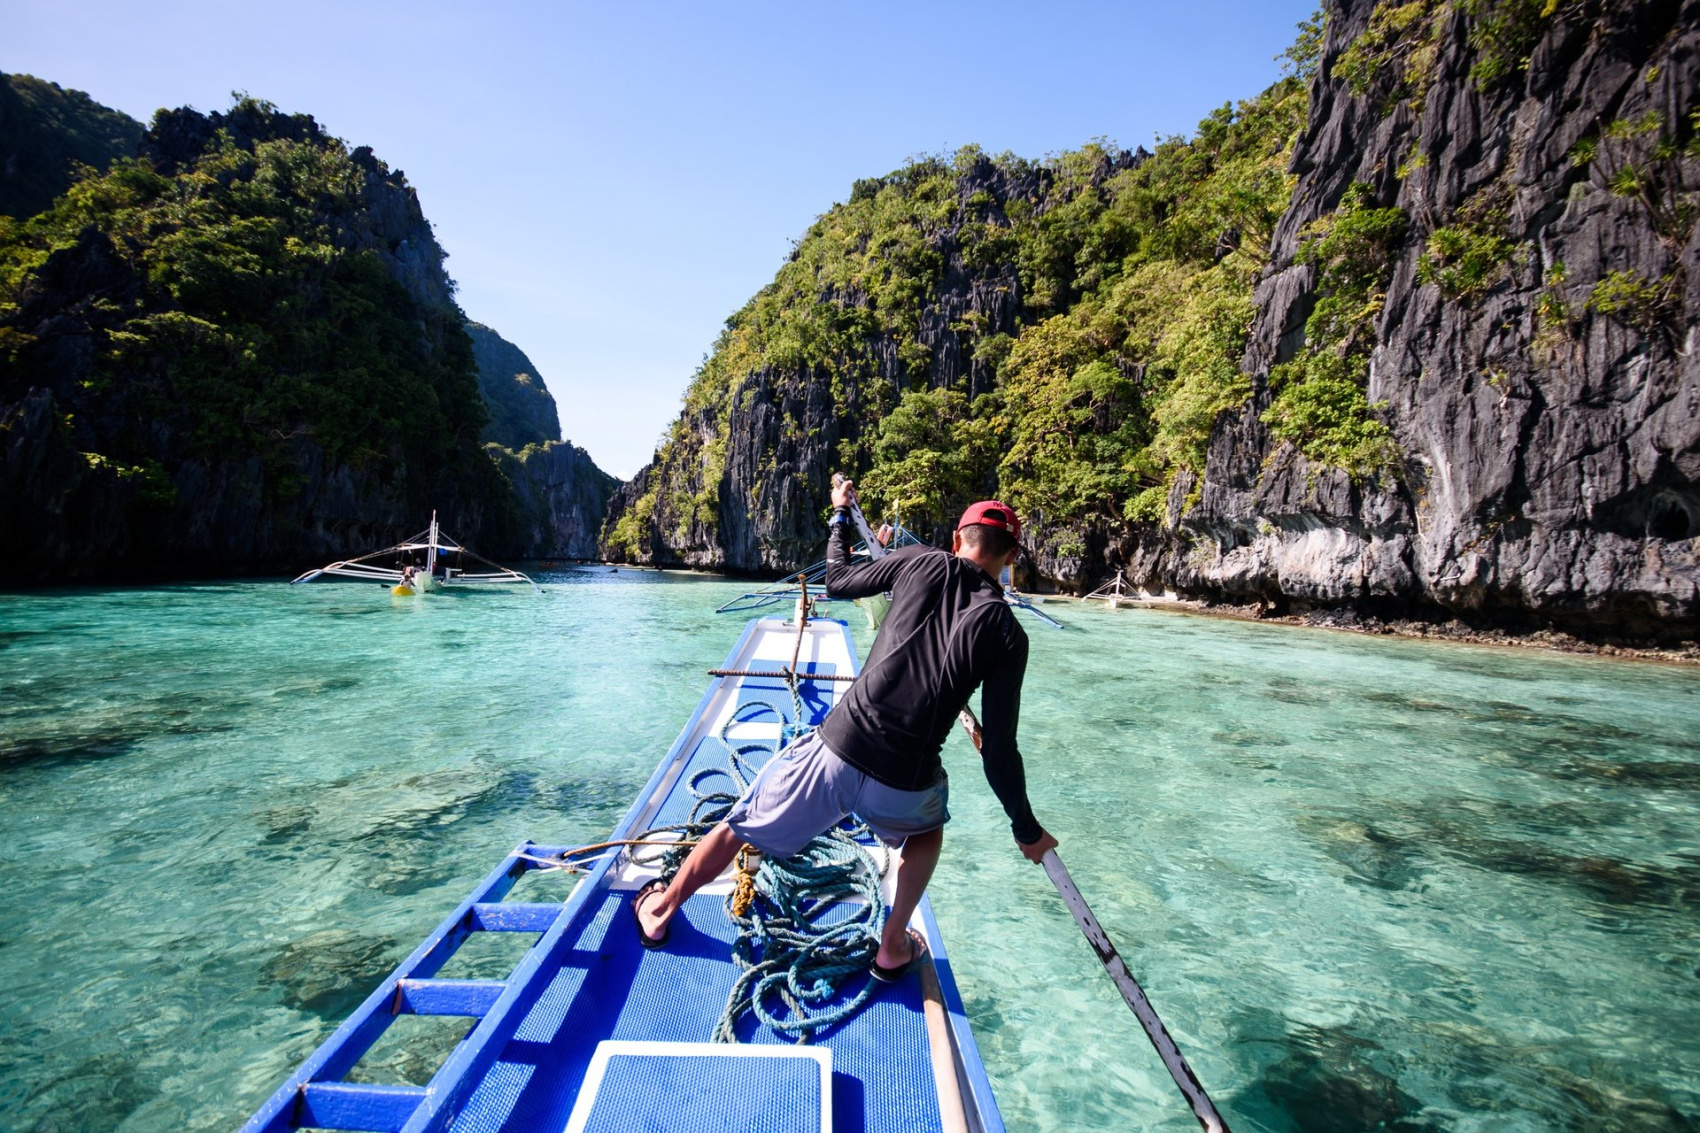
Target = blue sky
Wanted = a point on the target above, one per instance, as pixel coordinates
(612, 181)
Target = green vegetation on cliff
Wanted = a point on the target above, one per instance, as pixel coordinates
(248, 294)
(248, 319)
(46, 133)
(1320, 404)
(522, 411)
(1101, 302)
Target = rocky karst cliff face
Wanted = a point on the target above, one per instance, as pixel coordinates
(1490, 233)
(1544, 396)
(190, 426)
(743, 483)
(560, 496)
(559, 493)
(243, 354)
(522, 410)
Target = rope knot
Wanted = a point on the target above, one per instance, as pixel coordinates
(744, 892)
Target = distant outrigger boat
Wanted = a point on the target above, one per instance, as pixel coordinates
(421, 564)
(1115, 592)
(594, 1031)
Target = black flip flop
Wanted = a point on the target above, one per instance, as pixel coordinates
(917, 953)
(650, 942)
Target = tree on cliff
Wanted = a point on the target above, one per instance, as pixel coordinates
(1408, 333)
(46, 133)
(240, 344)
(1061, 332)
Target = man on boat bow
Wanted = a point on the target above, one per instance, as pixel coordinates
(948, 632)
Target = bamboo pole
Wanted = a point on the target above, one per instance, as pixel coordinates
(1173, 1060)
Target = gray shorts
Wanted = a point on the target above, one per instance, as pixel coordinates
(806, 790)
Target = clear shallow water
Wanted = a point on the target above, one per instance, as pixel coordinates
(1368, 883)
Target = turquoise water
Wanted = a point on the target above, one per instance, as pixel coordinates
(1369, 883)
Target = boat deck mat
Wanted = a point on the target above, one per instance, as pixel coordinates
(610, 987)
(671, 1092)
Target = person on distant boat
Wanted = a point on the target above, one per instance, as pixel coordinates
(876, 755)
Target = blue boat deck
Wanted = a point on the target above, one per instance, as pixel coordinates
(588, 980)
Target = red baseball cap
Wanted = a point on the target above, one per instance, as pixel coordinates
(992, 513)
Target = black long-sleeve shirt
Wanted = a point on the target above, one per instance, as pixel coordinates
(948, 632)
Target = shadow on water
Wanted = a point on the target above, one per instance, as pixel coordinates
(96, 743)
(1325, 1080)
(285, 824)
(46, 752)
(1566, 749)
(399, 837)
(1248, 739)
(1410, 703)
(1666, 775)
(96, 1093)
(411, 1050)
(1593, 1105)
(1611, 880)
(11, 637)
(1372, 856)
(329, 972)
(1338, 1080)
(400, 848)
(1495, 1075)
(315, 687)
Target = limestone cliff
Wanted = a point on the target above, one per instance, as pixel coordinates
(558, 492)
(742, 483)
(1466, 388)
(47, 131)
(1546, 405)
(522, 411)
(241, 354)
(560, 496)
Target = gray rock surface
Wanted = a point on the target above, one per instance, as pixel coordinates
(561, 496)
(1546, 479)
(522, 410)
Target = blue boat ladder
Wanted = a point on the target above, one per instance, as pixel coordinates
(316, 1097)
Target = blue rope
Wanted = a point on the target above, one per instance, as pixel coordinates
(814, 925)
(816, 920)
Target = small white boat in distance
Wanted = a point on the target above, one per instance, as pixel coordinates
(426, 561)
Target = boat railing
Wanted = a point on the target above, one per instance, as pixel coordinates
(315, 1095)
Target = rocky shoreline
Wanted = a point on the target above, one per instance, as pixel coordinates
(1451, 630)
(1345, 620)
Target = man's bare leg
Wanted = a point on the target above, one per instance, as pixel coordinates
(915, 864)
(706, 862)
